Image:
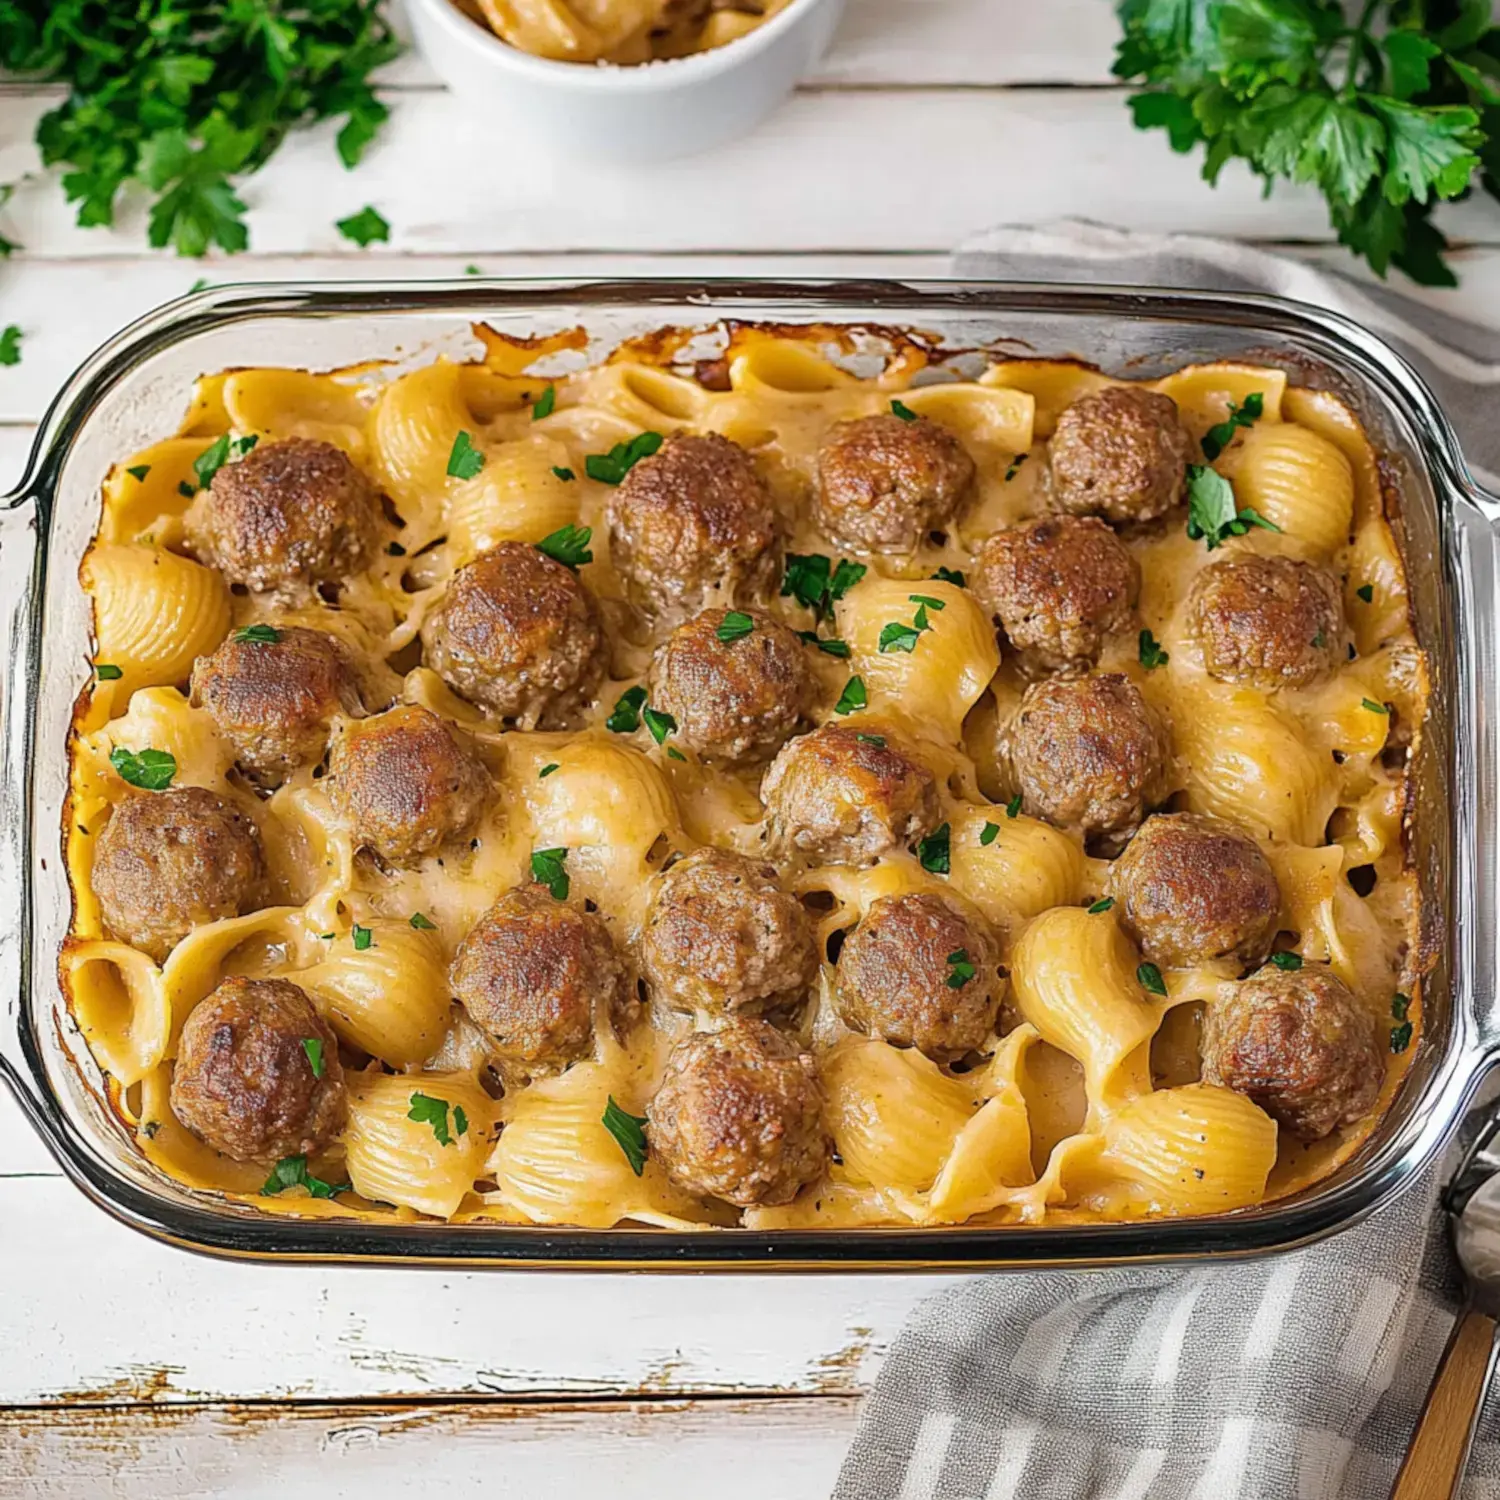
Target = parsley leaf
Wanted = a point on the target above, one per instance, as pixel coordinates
(547, 868)
(362, 937)
(1151, 654)
(735, 626)
(626, 718)
(1150, 980)
(290, 1172)
(902, 410)
(659, 722)
(1401, 1037)
(1101, 906)
(814, 582)
(427, 1109)
(898, 636)
(313, 1046)
(1287, 960)
(1212, 513)
(464, 459)
(832, 646)
(256, 635)
(877, 740)
(1373, 706)
(568, 545)
(566, 475)
(1366, 591)
(1400, 1005)
(949, 575)
(629, 1132)
(927, 601)
(218, 453)
(1013, 807)
(544, 404)
(1015, 466)
(853, 698)
(960, 969)
(422, 922)
(106, 672)
(10, 344)
(612, 467)
(138, 471)
(547, 770)
(989, 833)
(365, 228)
(151, 770)
(1246, 414)
(932, 852)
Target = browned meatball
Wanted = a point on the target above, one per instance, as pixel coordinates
(846, 796)
(739, 1116)
(691, 521)
(1268, 621)
(722, 936)
(405, 782)
(919, 971)
(1089, 755)
(884, 482)
(1122, 454)
(169, 861)
(518, 634)
(245, 1084)
(737, 694)
(1192, 889)
(537, 975)
(1059, 586)
(1300, 1045)
(275, 700)
(288, 515)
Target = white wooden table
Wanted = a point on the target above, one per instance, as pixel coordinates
(129, 1369)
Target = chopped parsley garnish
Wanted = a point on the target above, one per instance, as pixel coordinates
(989, 833)
(1401, 1037)
(830, 647)
(139, 471)
(612, 467)
(1213, 515)
(928, 602)
(547, 868)
(659, 722)
(566, 475)
(427, 1109)
(464, 459)
(221, 451)
(472, 270)
(626, 717)
(363, 938)
(1400, 1005)
(899, 637)
(422, 922)
(949, 575)
(151, 770)
(1318, 641)
(313, 1046)
(629, 1132)
(1102, 905)
(735, 626)
(460, 1120)
(673, 753)
(545, 404)
(1366, 591)
(290, 1172)
(568, 545)
(853, 698)
(902, 410)
(1373, 706)
(107, 672)
(1247, 414)
(367, 227)
(814, 582)
(256, 635)
(960, 970)
(185, 489)
(932, 852)
(1015, 466)
(547, 770)
(877, 740)
(1013, 807)
(1152, 655)
(1149, 977)
(10, 344)
(1291, 962)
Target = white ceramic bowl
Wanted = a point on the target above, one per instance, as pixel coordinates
(643, 113)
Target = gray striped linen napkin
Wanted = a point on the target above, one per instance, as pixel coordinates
(1298, 1377)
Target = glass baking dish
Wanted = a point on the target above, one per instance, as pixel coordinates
(133, 390)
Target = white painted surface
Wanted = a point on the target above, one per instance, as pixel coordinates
(930, 119)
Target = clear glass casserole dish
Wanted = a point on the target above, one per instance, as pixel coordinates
(133, 388)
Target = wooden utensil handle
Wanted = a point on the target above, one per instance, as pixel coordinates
(1440, 1446)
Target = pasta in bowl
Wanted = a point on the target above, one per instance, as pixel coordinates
(783, 798)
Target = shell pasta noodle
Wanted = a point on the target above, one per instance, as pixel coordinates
(783, 790)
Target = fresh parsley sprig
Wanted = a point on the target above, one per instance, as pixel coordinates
(1213, 513)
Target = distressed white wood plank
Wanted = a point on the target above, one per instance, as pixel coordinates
(122, 1319)
(732, 1450)
(832, 171)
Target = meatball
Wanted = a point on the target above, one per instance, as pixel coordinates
(288, 515)
(1089, 755)
(884, 482)
(1267, 621)
(1122, 454)
(846, 796)
(722, 936)
(275, 700)
(693, 521)
(1300, 1045)
(1192, 889)
(405, 782)
(1058, 585)
(739, 1116)
(738, 699)
(518, 634)
(244, 1081)
(169, 861)
(920, 971)
(536, 975)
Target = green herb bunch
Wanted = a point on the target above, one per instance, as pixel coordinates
(1387, 107)
(185, 96)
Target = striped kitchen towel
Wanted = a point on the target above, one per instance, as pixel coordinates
(1294, 1378)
